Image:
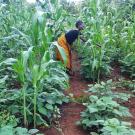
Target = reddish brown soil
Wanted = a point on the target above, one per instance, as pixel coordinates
(78, 85)
(131, 105)
(132, 110)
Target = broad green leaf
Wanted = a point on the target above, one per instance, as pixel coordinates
(33, 131)
(35, 72)
(49, 106)
(3, 79)
(25, 55)
(9, 61)
(21, 131)
(62, 52)
(7, 130)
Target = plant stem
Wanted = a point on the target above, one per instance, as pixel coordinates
(35, 104)
(24, 105)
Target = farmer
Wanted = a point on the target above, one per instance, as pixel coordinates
(66, 40)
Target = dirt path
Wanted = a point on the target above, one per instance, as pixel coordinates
(71, 111)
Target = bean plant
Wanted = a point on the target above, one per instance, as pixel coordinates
(104, 106)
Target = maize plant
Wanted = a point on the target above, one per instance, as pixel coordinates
(110, 37)
(33, 69)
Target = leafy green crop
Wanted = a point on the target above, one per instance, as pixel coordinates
(99, 110)
(94, 64)
(26, 37)
(18, 131)
(29, 73)
(110, 38)
(128, 66)
(7, 119)
(108, 89)
(116, 127)
(102, 106)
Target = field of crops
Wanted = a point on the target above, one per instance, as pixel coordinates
(38, 97)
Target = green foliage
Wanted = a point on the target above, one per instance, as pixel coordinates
(103, 106)
(105, 89)
(48, 104)
(128, 66)
(94, 64)
(116, 127)
(61, 50)
(99, 110)
(128, 84)
(30, 73)
(30, 29)
(15, 24)
(9, 130)
(95, 61)
(110, 38)
(7, 119)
